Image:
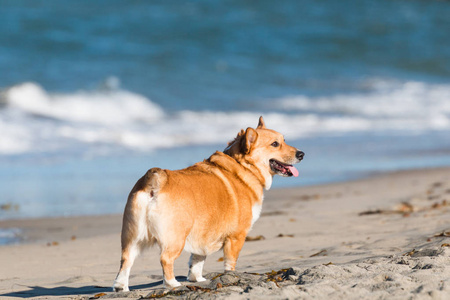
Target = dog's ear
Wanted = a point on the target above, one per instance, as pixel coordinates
(248, 140)
(261, 124)
(243, 142)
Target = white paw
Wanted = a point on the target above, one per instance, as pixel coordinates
(118, 287)
(172, 283)
(193, 278)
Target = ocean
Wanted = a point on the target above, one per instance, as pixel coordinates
(94, 93)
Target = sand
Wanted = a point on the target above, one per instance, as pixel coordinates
(384, 237)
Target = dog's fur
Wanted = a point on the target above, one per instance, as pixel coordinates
(206, 207)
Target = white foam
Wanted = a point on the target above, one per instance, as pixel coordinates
(34, 120)
(398, 106)
(14, 138)
(117, 107)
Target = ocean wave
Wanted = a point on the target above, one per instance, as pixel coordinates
(34, 120)
(107, 107)
(409, 106)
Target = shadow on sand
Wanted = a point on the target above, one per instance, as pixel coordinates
(39, 291)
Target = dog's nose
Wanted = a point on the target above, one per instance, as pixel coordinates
(299, 155)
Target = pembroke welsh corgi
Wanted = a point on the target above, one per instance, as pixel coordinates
(206, 207)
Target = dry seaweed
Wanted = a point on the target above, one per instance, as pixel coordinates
(285, 235)
(198, 288)
(273, 213)
(442, 234)
(279, 276)
(372, 212)
(320, 253)
(410, 253)
(255, 238)
(96, 296)
(405, 209)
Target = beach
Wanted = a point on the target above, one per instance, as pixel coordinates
(92, 96)
(382, 237)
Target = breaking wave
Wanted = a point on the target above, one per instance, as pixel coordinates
(33, 120)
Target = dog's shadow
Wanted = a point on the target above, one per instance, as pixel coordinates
(39, 291)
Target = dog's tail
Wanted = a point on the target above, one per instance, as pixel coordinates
(153, 181)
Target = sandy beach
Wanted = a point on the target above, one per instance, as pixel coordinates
(384, 237)
(92, 95)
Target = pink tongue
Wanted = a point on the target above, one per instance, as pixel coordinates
(293, 170)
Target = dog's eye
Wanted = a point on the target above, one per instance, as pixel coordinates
(275, 144)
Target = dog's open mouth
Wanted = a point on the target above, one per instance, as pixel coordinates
(283, 169)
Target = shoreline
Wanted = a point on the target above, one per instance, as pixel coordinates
(389, 223)
(35, 226)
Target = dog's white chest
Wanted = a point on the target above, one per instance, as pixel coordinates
(256, 211)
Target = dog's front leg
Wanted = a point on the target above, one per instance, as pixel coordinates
(196, 263)
(231, 248)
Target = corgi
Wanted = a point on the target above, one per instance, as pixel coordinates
(206, 207)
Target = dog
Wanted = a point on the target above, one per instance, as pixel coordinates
(206, 207)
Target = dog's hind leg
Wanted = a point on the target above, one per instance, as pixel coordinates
(196, 263)
(129, 254)
(171, 242)
(135, 232)
(135, 237)
(168, 256)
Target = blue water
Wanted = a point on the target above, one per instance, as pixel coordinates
(95, 93)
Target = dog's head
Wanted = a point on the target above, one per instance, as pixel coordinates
(266, 149)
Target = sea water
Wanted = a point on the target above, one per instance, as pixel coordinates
(94, 93)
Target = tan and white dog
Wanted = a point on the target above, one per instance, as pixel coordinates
(209, 206)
